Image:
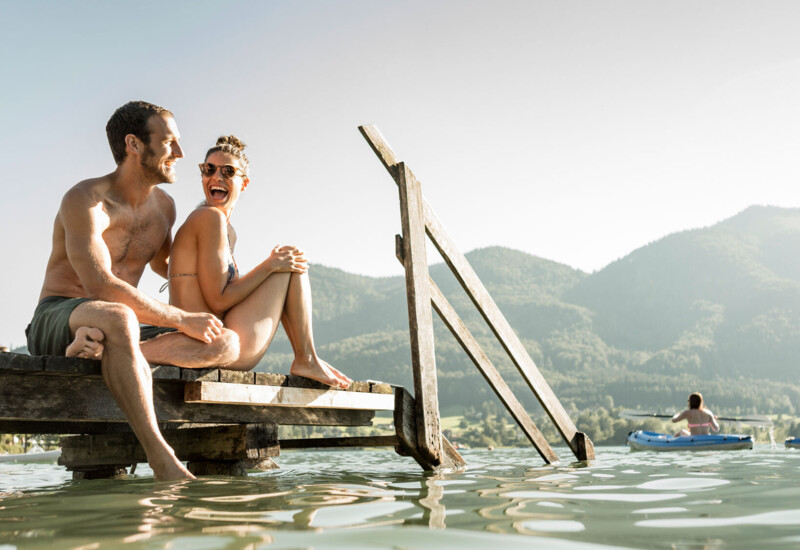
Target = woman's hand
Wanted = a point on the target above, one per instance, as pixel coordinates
(287, 259)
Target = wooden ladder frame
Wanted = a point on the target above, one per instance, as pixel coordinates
(419, 219)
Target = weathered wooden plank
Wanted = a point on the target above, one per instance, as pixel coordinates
(251, 394)
(380, 387)
(405, 427)
(71, 366)
(497, 322)
(20, 362)
(359, 386)
(420, 319)
(77, 399)
(489, 372)
(208, 375)
(335, 442)
(270, 379)
(165, 372)
(234, 442)
(237, 376)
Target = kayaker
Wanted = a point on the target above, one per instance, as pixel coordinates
(701, 420)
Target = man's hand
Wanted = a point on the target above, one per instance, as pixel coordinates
(201, 326)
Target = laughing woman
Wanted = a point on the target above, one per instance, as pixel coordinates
(203, 275)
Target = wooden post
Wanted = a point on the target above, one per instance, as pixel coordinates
(579, 443)
(420, 318)
(471, 347)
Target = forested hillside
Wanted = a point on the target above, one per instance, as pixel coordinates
(714, 309)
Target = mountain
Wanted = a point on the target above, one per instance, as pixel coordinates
(715, 309)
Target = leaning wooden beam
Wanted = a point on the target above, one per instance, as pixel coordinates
(489, 372)
(579, 443)
(420, 319)
(485, 366)
(250, 394)
(505, 334)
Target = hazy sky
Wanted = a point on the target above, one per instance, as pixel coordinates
(575, 131)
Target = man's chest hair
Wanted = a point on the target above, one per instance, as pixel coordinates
(135, 236)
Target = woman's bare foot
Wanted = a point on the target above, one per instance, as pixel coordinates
(87, 343)
(316, 369)
(344, 379)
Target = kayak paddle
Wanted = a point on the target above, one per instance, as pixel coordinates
(754, 420)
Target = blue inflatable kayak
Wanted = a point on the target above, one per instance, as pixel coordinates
(641, 440)
(792, 443)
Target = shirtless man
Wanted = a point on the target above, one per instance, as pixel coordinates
(107, 230)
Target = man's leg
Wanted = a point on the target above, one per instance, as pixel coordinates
(175, 348)
(127, 375)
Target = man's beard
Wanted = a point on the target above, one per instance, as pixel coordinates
(154, 173)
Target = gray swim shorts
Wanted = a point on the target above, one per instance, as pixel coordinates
(49, 334)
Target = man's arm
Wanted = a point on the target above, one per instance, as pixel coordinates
(160, 262)
(84, 222)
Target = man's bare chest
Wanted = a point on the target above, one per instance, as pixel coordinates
(133, 238)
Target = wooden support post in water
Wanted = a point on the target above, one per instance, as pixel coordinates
(420, 319)
(405, 426)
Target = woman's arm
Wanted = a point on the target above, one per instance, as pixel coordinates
(212, 266)
(680, 416)
(714, 423)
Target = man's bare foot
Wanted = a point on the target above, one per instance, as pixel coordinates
(316, 369)
(87, 343)
(172, 472)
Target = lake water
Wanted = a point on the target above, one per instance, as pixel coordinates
(506, 499)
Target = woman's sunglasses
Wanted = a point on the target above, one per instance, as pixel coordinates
(227, 171)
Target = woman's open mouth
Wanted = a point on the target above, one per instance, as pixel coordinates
(217, 192)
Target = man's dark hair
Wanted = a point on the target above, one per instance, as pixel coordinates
(131, 118)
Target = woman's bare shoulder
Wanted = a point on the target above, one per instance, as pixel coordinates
(206, 217)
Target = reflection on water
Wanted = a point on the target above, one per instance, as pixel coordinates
(378, 500)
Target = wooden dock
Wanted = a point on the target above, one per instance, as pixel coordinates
(220, 421)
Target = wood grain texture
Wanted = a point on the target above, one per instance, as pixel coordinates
(420, 317)
(251, 394)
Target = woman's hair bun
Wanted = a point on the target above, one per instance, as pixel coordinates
(233, 141)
